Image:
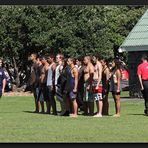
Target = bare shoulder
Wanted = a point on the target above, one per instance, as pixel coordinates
(118, 72)
(54, 66)
(75, 69)
(91, 67)
(107, 70)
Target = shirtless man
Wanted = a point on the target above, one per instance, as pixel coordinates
(43, 82)
(40, 98)
(97, 85)
(33, 78)
(88, 78)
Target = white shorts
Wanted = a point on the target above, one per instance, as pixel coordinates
(97, 96)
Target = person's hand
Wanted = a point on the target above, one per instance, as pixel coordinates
(105, 90)
(118, 90)
(51, 87)
(74, 90)
(88, 87)
(97, 87)
(142, 88)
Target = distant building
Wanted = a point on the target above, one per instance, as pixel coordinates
(136, 44)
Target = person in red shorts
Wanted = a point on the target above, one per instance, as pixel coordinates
(142, 72)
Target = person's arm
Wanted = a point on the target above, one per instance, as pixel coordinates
(32, 76)
(75, 72)
(107, 73)
(118, 75)
(139, 77)
(53, 67)
(91, 76)
(4, 85)
(99, 74)
(42, 76)
(140, 80)
(53, 72)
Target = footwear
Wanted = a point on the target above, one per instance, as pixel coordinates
(116, 115)
(145, 112)
(36, 111)
(54, 113)
(97, 115)
(47, 113)
(61, 113)
(66, 113)
(81, 108)
(42, 112)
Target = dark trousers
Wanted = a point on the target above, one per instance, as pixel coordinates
(52, 99)
(80, 97)
(43, 89)
(0, 94)
(145, 94)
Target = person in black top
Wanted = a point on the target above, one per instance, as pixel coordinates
(2, 79)
(63, 87)
(105, 83)
(80, 65)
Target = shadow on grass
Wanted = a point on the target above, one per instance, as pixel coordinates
(125, 97)
(30, 112)
(33, 112)
(137, 114)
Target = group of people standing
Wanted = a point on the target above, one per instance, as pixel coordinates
(75, 83)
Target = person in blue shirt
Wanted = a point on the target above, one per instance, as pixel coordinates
(2, 79)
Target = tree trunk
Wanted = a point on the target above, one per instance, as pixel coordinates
(17, 79)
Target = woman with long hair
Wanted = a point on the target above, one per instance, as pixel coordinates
(115, 80)
(105, 84)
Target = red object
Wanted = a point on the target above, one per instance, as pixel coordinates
(143, 70)
(99, 90)
(125, 74)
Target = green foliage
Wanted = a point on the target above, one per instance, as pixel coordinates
(72, 30)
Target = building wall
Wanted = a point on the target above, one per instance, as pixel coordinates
(133, 61)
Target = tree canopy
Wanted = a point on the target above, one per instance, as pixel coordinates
(72, 30)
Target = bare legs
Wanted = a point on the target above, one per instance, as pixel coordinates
(99, 104)
(117, 105)
(75, 108)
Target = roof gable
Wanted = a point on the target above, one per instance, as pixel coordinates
(138, 37)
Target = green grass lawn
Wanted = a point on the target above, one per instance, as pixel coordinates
(18, 124)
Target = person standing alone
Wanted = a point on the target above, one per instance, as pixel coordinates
(2, 79)
(142, 72)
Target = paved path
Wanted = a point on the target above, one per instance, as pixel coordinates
(18, 94)
(30, 94)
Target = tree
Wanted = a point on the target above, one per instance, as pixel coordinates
(72, 30)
